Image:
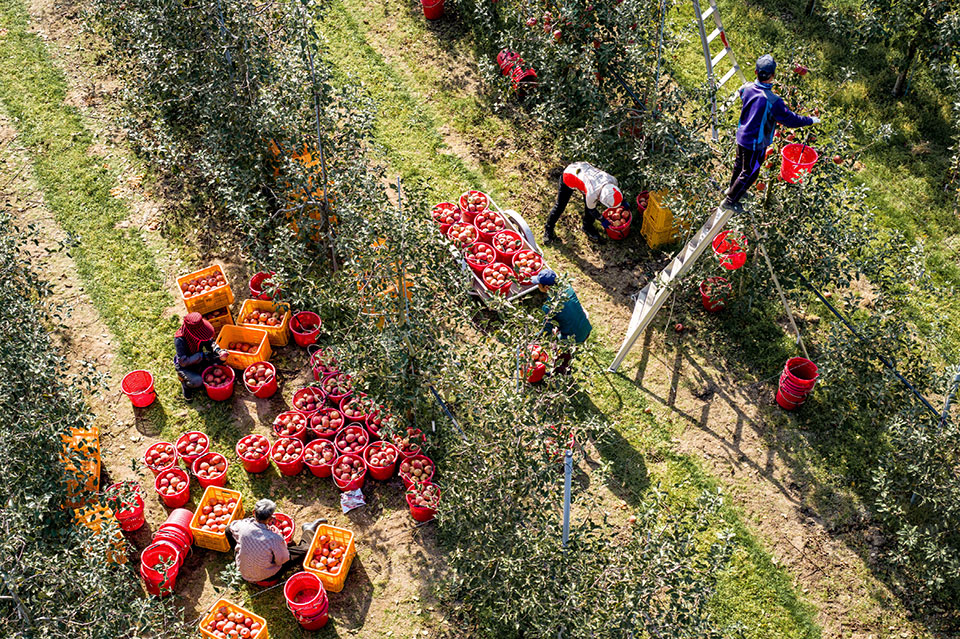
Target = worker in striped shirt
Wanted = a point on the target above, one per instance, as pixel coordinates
(262, 554)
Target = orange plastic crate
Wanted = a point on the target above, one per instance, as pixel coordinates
(222, 318)
(211, 300)
(333, 582)
(205, 538)
(278, 335)
(249, 335)
(263, 634)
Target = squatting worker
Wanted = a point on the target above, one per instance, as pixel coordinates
(570, 321)
(196, 350)
(261, 553)
(595, 185)
(762, 110)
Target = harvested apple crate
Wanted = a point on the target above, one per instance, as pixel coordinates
(330, 568)
(219, 317)
(267, 316)
(218, 625)
(205, 290)
(212, 532)
(244, 345)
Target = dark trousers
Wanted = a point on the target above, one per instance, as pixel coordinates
(746, 169)
(563, 198)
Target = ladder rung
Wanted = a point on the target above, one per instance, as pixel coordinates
(706, 14)
(719, 57)
(726, 76)
(713, 35)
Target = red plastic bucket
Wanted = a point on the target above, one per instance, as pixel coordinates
(301, 424)
(306, 396)
(218, 480)
(421, 513)
(505, 288)
(469, 256)
(620, 231)
(322, 363)
(175, 536)
(305, 594)
(288, 467)
(321, 469)
(160, 447)
(643, 197)
(534, 264)
(407, 479)
(336, 396)
(503, 255)
(520, 77)
(268, 388)
(256, 286)
(359, 433)
(713, 291)
(732, 251)
(180, 497)
(380, 473)
(138, 386)
(179, 518)
(334, 422)
(432, 9)
(354, 483)
(187, 437)
(445, 214)
(132, 518)
(507, 59)
(483, 205)
(254, 465)
(801, 372)
(305, 327)
(537, 368)
(160, 583)
(279, 519)
(225, 390)
(797, 158)
(489, 218)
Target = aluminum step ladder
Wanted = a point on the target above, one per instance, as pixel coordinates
(656, 292)
(712, 60)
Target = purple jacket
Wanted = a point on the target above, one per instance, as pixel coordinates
(762, 110)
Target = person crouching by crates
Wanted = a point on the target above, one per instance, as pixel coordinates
(262, 554)
(570, 321)
(596, 186)
(196, 350)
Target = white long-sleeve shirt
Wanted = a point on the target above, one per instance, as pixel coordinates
(260, 551)
(589, 180)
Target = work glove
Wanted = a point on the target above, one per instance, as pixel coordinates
(816, 120)
(604, 222)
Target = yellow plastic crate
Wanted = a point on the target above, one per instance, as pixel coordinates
(278, 335)
(249, 335)
(263, 634)
(205, 538)
(211, 300)
(333, 582)
(657, 237)
(660, 216)
(219, 317)
(85, 479)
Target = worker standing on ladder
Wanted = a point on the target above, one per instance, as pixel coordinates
(595, 185)
(762, 110)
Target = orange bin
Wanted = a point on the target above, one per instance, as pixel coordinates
(219, 317)
(205, 538)
(93, 516)
(278, 335)
(248, 335)
(84, 478)
(263, 634)
(333, 582)
(211, 300)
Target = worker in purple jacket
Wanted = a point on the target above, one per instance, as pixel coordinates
(762, 110)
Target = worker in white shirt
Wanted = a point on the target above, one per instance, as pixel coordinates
(596, 186)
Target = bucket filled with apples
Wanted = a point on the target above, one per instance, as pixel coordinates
(472, 203)
(211, 469)
(218, 380)
(479, 256)
(319, 455)
(619, 219)
(254, 453)
(445, 214)
(499, 278)
(381, 458)
(537, 367)
(261, 379)
(287, 454)
(423, 499)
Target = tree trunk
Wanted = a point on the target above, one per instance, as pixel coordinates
(900, 87)
(808, 11)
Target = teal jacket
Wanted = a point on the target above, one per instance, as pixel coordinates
(571, 320)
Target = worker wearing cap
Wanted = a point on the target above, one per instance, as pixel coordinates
(762, 110)
(262, 554)
(570, 321)
(596, 186)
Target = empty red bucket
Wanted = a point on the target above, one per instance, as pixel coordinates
(730, 249)
(256, 286)
(432, 9)
(160, 581)
(129, 515)
(138, 386)
(797, 158)
(305, 326)
(305, 594)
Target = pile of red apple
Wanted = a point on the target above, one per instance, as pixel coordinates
(463, 234)
(172, 481)
(489, 222)
(253, 447)
(408, 444)
(160, 455)
(242, 347)
(446, 213)
(201, 285)
(289, 424)
(479, 254)
(281, 524)
(328, 555)
(527, 264)
(497, 276)
(416, 469)
(319, 453)
(381, 454)
(217, 376)
(193, 444)
(507, 242)
(352, 440)
(475, 202)
(257, 375)
(226, 624)
(308, 399)
(538, 354)
(348, 468)
(326, 422)
(424, 495)
(287, 450)
(216, 514)
(617, 216)
(263, 318)
(339, 384)
(212, 315)
(210, 467)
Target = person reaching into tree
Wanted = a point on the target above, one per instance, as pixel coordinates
(596, 186)
(762, 110)
(570, 321)
(196, 350)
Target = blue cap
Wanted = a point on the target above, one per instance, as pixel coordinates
(546, 277)
(766, 65)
